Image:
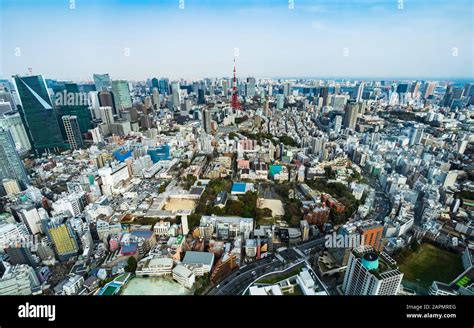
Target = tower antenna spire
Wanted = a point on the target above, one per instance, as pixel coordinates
(235, 99)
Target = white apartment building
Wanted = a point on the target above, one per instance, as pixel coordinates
(74, 285)
(12, 232)
(157, 266)
(184, 276)
(113, 176)
(162, 228)
(371, 273)
(18, 280)
(72, 204)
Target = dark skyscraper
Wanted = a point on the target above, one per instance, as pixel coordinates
(73, 132)
(201, 99)
(106, 99)
(350, 117)
(21, 255)
(164, 87)
(206, 120)
(37, 113)
(155, 83)
(324, 94)
(79, 107)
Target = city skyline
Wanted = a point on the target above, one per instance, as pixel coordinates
(353, 39)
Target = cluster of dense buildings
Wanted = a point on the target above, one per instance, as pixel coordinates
(95, 174)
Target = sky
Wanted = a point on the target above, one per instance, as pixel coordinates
(191, 39)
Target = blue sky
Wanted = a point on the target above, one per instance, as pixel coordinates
(273, 40)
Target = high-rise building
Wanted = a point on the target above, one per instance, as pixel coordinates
(102, 82)
(12, 122)
(107, 115)
(338, 102)
(416, 134)
(337, 123)
(122, 96)
(415, 89)
(280, 101)
(107, 99)
(155, 83)
(225, 87)
(323, 93)
(19, 280)
(206, 120)
(250, 87)
(164, 87)
(62, 236)
(79, 106)
(73, 132)
(468, 90)
(371, 273)
(350, 117)
(11, 165)
(21, 255)
(286, 89)
(429, 88)
(371, 233)
(30, 216)
(358, 91)
(201, 98)
(37, 114)
(205, 143)
(156, 98)
(402, 91)
(175, 94)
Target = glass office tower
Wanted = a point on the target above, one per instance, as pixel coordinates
(102, 82)
(122, 96)
(79, 107)
(38, 115)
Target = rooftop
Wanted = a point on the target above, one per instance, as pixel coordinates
(192, 257)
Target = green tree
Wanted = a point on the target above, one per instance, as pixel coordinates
(162, 188)
(131, 264)
(193, 220)
(415, 246)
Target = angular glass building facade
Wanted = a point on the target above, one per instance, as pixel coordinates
(102, 82)
(38, 115)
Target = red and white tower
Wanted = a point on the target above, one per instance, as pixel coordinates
(235, 99)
